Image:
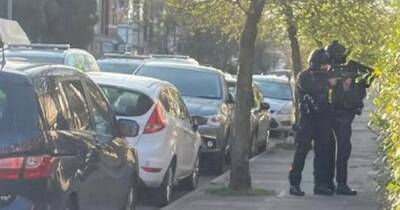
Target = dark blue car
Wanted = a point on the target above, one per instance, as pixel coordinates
(60, 145)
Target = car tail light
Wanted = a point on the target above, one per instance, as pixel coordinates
(151, 170)
(35, 167)
(10, 168)
(156, 121)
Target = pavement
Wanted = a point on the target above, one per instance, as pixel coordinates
(270, 170)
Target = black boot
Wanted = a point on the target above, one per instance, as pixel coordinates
(344, 189)
(296, 190)
(322, 190)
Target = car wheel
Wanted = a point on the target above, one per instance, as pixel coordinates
(290, 139)
(219, 166)
(131, 199)
(165, 192)
(192, 181)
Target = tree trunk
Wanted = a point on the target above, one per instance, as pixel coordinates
(294, 45)
(292, 33)
(240, 173)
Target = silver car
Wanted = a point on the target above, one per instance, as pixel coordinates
(277, 91)
(206, 95)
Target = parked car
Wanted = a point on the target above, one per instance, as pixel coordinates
(184, 59)
(260, 122)
(278, 93)
(206, 95)
(121, 63)
(61, 146)
(52, 54)
(260, 118)
(168, 143)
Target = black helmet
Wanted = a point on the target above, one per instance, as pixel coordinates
(337, 52)
(318, 58)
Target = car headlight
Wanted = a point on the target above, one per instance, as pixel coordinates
(216, 119)
(287, 109)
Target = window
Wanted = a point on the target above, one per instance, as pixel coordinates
(101, 111)
(18, 108)
(76, 60)
(126, 102)
(55, 108)
(202, 84)
(77, 105)
(119, 67)
(91, 64)
(181, 107)
(3, 101)
(166, 100)
(275, 90)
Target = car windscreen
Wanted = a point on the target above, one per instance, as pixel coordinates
(118, 67)
(275, 90)
(190, 83)
(18, 108)
(126, 102)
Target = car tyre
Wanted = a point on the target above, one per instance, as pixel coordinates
(131, 199)
(165, 192)
(220, 163)
(192, 181)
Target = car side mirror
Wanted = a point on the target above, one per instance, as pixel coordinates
(195, 123)
(128, 128)
(231, 99)
(264, 106)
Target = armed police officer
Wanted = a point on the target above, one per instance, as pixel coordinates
(348, 101)
(313, 89)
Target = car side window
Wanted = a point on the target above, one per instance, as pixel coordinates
(56, 108)
(164, 99)
(91, 64)
(182, 111)
(78, 105)
(3, 102)
(76, 60)
(101, 111)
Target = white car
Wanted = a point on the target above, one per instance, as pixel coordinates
(168, 143)
(277, 91)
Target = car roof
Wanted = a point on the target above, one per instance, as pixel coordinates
(182, 66)
(272, 78)
(146, 85)
(35, 52)
(121, 60)
(42, 52)
(33, 72)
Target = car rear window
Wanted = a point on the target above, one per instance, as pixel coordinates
(18, 108)
(126, 102)
(200, 85)
(117, 67)
(275, 90)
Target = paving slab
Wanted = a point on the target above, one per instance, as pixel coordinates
(270, 170)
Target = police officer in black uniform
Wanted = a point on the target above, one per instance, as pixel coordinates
(314, 123)
(348, 101)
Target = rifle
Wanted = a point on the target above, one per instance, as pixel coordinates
(355, 70)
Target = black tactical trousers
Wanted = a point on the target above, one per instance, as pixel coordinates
(319, 129)
(343, 131)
